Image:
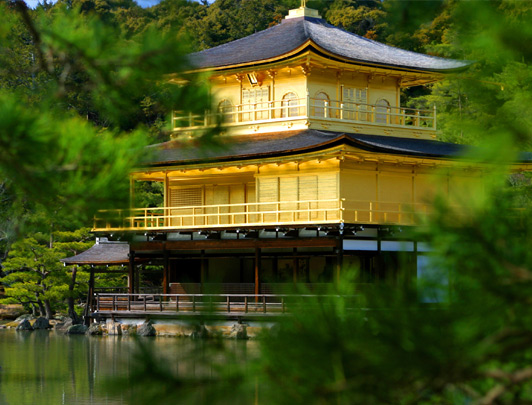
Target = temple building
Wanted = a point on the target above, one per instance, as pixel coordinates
(321, 168)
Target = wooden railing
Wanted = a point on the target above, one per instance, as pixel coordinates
(204, 303)
(303, 108)
(323, 212)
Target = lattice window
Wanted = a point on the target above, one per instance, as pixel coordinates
(355, 101)
(186, 196)
(289, 105)
(256, 100)
(319, 104)
(226, 108)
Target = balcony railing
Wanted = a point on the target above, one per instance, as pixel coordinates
(333, 211)
(310, 108)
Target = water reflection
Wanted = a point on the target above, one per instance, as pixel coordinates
(45, 367)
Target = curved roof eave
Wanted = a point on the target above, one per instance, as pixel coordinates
(311, 45)
(246, 148)
(292, 36)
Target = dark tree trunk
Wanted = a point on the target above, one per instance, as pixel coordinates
(42, 311)
(48, 309)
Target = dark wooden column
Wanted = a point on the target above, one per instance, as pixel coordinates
(296, 265)
(90, 298)
(257, 273)
(137, 278)
(166, 271)
(131, 273)
(203, 275)
(339, 257)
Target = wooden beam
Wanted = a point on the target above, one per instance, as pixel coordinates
(234, 244)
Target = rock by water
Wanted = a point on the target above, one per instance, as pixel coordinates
(239, 331)
(64, 325)
(41, 323)
(114, 328)
(24, 325)
(24, 317)
(95, 329)
(200, 332)
(146, 329)
(76, 330)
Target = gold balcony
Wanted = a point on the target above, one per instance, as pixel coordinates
(262, 214)
(311, 112)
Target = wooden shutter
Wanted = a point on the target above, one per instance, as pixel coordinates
(186, 197)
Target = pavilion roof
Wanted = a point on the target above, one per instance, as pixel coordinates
(102, 253)
(293, 34)
(291, 142)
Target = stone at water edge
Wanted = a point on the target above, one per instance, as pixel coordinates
(41, 323)
(76, 330)
(95, 329)
(129, 329)
(200, 332)
(239, 331)
(64, 325)
(21, 318)
(24, 325)
(146, 329)
(114, 328)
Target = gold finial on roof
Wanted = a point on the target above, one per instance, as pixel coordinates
(303, 11)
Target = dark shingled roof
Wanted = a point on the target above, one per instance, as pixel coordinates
(290, 142)
(102, 253)
(280, 39)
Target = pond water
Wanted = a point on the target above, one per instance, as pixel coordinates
(46, 367)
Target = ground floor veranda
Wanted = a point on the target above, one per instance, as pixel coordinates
(256, 272)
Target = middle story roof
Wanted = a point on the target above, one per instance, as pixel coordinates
(286, 143)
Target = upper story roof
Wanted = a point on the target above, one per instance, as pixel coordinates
(296, 34)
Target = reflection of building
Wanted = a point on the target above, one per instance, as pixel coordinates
(321, 166)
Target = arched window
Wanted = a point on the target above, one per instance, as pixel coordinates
(226, 109)
(319, 105)
(289, 105)
(382, 111)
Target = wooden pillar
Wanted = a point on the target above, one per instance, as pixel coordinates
(339, 257)
(296, 265)
(131, 273)
(257, 273)
(203, 275)
(131, 192)
(90, 298)
(166, 271)
(91, 287)
(166, 199)
(137, 279)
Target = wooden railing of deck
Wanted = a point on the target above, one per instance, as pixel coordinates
(204, 303)
(309, 107)
(333, 211)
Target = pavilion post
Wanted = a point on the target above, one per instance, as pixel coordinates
(166, 271)
(203, 271)
(339, 257)
(131, 273)
(257, 273)
(296, 265)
